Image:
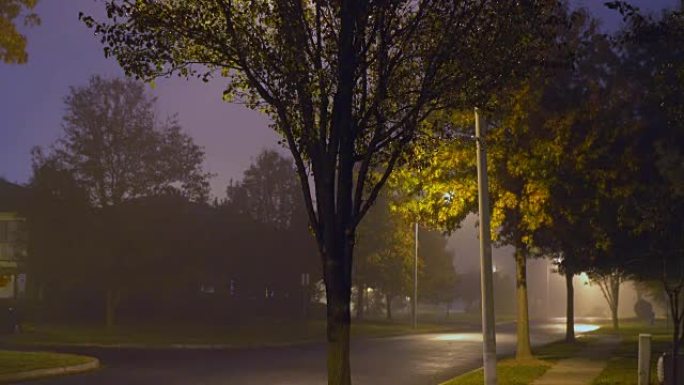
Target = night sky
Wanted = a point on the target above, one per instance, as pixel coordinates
(63, 52)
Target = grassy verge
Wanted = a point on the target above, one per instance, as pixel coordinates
(510, 371)
(622, 367)
(15, 362)
(239, 335)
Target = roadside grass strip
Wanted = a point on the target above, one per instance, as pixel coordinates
(20, 365)
(510, 371)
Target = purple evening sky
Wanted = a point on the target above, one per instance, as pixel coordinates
(63, 52)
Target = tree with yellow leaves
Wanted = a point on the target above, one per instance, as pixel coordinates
(551, 148)
(12, 42)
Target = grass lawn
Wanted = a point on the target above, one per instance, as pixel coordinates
(257, 333)
(622, 367)
(510, 371)
(14, 362)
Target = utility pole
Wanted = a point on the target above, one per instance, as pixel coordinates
(414, 307)
(487, 289)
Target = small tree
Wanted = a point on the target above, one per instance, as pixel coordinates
(385, 254)
(269, 191)
(609, 282)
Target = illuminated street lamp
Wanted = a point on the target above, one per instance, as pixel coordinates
(486, 266)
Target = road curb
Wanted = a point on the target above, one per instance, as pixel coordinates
(92, 364)
(72, 346)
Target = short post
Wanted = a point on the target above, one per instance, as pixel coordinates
(305, 294)
(644, 359)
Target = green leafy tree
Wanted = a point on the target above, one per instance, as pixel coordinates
(116, 150)
(654, 59)
(348, 85)
(438, 279)
(588, 111)
(385, 258)
(519, 190)
(270, 195)
(12, 42)
(269, 191)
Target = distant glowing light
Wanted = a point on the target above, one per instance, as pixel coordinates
(584, 278)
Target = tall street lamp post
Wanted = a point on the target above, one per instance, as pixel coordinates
(487, 289)
(414, 305)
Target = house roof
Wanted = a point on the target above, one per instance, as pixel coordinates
(11, 196)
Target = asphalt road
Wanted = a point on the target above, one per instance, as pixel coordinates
(425, 359)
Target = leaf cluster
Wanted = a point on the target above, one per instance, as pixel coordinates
(12, 42)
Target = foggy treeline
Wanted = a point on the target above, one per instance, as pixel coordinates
(121, 227)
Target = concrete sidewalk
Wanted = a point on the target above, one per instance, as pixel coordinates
(582, 369)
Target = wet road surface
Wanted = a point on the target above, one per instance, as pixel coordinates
(424, 359)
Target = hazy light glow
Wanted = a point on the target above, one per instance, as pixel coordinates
(579, 327)
(470, 337)
(586, 320)
(584, 328)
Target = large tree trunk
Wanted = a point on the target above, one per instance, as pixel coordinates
(339, 369)
(113, 297)
(360, 295)
(523, 349)
(388, 306)
(570, 308)
(337, 269)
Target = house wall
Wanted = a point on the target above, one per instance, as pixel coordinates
(12, 251)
